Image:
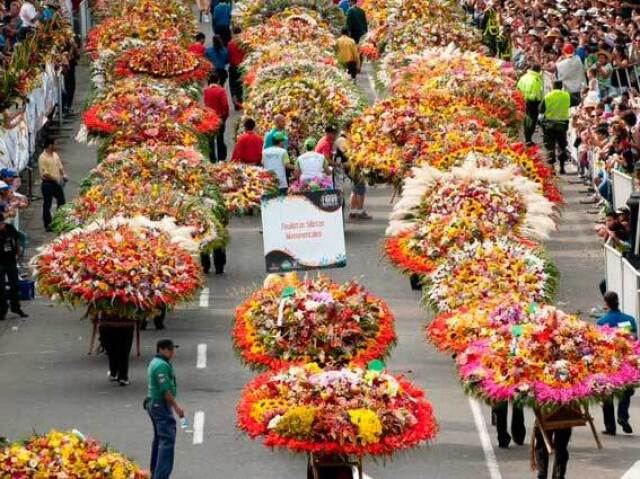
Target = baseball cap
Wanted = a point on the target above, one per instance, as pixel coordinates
(8, 173)
(4, 186)
(568, 49)
(166, 344)
(278, 136)
(310, 143)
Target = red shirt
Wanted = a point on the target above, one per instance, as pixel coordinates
(215, 97)
(248, 149)
(325, 148)
(197, 49)
(236, 55)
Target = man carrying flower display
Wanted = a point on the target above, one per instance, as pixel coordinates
(248, 149)
(159, 403)
(499, 415)
(215, 97)
(236, 57)
(347, 53)
(275, 158)
(618, 320)
(357, 21)
(560, 439)
(222, 21)
(311, 164)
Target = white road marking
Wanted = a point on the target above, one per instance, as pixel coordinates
(373, 86)
(204, 298)
(198, 427)
(485, 440)
(633, 473)
(201, 361)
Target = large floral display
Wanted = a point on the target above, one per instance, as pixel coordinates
(439, 212)
(344, 411)
(550, 359)
(131, 238)
(127, 268)
(248, 13)
(242, 186)
(65, 454)
(313, 321)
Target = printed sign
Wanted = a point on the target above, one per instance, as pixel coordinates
(303, 231)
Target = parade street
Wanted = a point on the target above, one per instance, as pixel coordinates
(49, 381)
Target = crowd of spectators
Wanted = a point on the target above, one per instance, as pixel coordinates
(19, 19)
(593, 47)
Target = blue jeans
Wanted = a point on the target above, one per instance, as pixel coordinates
(164, 439)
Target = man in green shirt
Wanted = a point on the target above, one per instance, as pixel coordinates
(531, 85)
(161, 399)
(556, 107)
(356, 21)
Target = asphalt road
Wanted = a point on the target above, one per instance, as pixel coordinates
(47, 380)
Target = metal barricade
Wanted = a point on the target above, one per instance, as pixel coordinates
(622, 185)
(630, 286)
(613, 269)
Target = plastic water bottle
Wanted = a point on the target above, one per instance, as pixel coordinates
(184, 423)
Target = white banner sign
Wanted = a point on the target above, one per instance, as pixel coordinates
(303, 231)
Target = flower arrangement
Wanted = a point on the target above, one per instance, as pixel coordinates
(496, 151)
(164, 60)
(390, 136)
(482, 270)
(341, 411)
(181, 168)
(286, 31)
(453, 331)
(248, 13)
(313, 321)
(308, 103)
(553, 359)
(65, 454)
(152, 200)
(128, 267)
(243, 186)
(148, 111)
(318, 183)
(440, 211)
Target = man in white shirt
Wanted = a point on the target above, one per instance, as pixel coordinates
(276, 159)
(571, 73)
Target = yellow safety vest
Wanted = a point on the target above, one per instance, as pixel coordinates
(556, 105)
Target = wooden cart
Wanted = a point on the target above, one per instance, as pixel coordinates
(564, 418)
(320, 465)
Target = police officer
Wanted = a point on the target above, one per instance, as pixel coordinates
(555, 107)
(161, 404)
(9, 253)
(531, 85)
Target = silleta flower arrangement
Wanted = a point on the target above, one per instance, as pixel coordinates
(151, 200)
(452, 332)
(65, 455)
(440, 211)
(164, 60)
(147, 110)
(242, 186)
(248, 13)
(129, 268)
(313, 321)
(319, 183)
(482, 270)
(341, 411)
(553, 359)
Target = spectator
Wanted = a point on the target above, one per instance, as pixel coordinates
(248, 147)
(9, 254)
(571, 73)
(616, 319)
(215, 97)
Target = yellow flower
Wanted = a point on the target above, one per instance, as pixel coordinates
(368, 423)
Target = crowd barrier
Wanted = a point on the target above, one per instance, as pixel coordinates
(622, 278)
(18, 144)
(622, 188)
